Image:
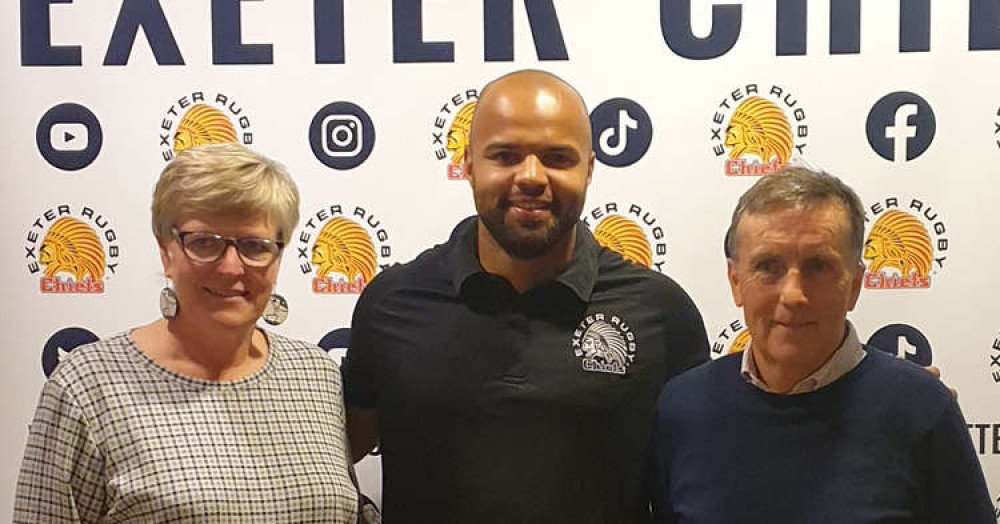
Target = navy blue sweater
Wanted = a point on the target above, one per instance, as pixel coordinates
(886, 443)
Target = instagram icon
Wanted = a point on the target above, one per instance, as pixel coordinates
(341, 135)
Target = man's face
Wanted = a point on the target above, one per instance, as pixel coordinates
(529, 164)
(795, 278)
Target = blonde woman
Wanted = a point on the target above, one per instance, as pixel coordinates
(200, 416)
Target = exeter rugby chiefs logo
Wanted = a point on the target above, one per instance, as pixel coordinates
(605, 343)
(626, 238)
(450, 131)
(342, 248)
(734, 338)
(905, 246)
(629, 230)
(764, 129)
(203, 118)
(75, 249)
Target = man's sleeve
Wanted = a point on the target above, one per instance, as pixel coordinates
(62, 474)
(687, 343)
(358, 366)
(656, 481)
(957, 492)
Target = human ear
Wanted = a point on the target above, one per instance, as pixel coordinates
(734, 282)
(856, 280)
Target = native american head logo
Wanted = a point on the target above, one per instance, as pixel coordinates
(458, 134)
(899, 240)
(626, 238)
(71, 246)
(759, 127)
(344, 247)
(203, 125)
(604, 345)
(740, 343)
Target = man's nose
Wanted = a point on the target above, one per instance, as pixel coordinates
(531, 177)
(792, 292)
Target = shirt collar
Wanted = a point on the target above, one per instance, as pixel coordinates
(579, 276)
(844, 359)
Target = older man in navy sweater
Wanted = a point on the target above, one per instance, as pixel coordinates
(807, 425)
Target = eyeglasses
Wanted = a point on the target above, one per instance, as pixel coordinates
(209, 247)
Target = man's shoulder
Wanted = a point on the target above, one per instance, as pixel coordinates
(710, 375)
(614, 271)
(428, 269)
(904, 379)
(647, 286)
(430, 262)
(692, 390)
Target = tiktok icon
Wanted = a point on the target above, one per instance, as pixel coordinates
(622, 132)
(903, 341)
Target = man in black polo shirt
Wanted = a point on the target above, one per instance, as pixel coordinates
(509, 374)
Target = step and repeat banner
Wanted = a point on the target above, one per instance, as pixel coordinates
(368, 103)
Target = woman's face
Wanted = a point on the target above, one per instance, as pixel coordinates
(225, 293)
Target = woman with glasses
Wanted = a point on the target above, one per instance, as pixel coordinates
(200, 416)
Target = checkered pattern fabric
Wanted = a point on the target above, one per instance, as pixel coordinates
(119, 439)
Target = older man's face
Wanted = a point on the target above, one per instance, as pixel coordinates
(795, 278)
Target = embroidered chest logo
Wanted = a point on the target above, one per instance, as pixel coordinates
(605, 343)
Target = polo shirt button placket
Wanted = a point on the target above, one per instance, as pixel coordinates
(516, 338)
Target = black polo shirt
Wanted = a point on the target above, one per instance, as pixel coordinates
(495, 406)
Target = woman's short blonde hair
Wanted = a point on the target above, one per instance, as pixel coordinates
(224, 179)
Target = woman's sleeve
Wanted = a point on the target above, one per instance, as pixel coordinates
(62, 474)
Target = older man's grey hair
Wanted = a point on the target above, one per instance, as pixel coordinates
(799, 186)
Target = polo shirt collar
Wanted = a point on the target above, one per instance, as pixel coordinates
(579, 276)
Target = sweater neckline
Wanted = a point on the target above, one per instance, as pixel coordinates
(821, 393)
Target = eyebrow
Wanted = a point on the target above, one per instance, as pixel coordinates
(765, 254)
(758, 256)
(510, 146)
(502, 146)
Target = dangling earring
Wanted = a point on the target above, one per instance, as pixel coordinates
(168, 302)
(276, 310)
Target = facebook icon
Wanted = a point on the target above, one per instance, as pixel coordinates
(901, 126)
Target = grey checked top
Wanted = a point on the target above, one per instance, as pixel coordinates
(117, 438)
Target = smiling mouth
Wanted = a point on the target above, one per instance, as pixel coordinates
(531, 205)
(794, 325)
(225, 293)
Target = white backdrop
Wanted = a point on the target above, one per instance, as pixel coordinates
(613, 50)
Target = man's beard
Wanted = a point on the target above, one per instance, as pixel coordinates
(526, 242)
